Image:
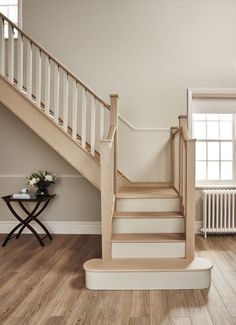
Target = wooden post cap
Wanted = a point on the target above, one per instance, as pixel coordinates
(114, 95)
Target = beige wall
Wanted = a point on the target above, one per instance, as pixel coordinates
(147, 51)
(199, 204)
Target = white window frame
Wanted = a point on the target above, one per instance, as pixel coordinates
(19, 14)
(19, 5)
(220, 94)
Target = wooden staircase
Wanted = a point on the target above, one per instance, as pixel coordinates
(148, 237)
(147, 228)
(148, 246)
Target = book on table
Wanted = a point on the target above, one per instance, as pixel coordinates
(23, 196)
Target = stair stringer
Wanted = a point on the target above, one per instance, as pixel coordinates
(52, 134)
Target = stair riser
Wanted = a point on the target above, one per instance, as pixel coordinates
(147, 205)
(148, 250)
(148, 280)
(145, 225)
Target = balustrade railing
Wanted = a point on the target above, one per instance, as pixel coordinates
(52, 87)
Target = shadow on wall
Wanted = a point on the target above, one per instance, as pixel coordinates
(22, 152)
(144, 156)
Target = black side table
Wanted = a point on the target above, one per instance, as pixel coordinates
(40, 205)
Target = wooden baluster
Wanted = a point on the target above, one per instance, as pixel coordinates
(47, 84)
(190, 200)
(38, 77)
(56, 93)
(101, 122)
(114, 113)
(10, 53)
(29, 70)
(83, 118)
(2, 47)
(20, 61)
(74, 109)
(65, 102)
(93, 126)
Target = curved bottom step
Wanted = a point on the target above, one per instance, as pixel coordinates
(148, 274)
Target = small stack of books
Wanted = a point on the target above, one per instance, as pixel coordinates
(23, 196)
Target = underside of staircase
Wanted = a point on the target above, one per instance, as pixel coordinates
(147, 228)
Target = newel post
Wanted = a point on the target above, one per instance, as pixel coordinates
(190, 201)
(105, 198)
(182, 122)
(114, 115)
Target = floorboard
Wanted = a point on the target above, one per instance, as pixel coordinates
(45, 286)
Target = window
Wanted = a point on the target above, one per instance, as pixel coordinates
(12, 10)
(214, 148)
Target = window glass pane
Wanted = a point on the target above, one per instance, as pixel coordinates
(3, 2)
(212, 130)
(4, 10)
(199, 130)
(199, 117)
(226, 130)
(213, 170)
(13, 14)
(226, 117)
(200, 170)
(213, 150)
(214, 159)
(226, 151)
(226, 170)
(201, 150)
(12, 2)
(212, 117)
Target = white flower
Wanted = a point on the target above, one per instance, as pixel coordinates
(32, 181)
(49, 178)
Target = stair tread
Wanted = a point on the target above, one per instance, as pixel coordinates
(147, 264)
(147, 237)
(147, 192)
(148, 214)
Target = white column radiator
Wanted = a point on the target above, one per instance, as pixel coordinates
(219, 211)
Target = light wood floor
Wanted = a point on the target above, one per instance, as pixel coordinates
(46, 286)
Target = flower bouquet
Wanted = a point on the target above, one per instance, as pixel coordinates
(41, 180)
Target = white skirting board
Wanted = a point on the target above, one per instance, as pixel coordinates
(58, 227)
(70, 227)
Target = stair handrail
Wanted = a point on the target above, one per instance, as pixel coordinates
(142, 129)
(98, 98)
(187, 185)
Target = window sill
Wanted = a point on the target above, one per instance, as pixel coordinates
(221, 186)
